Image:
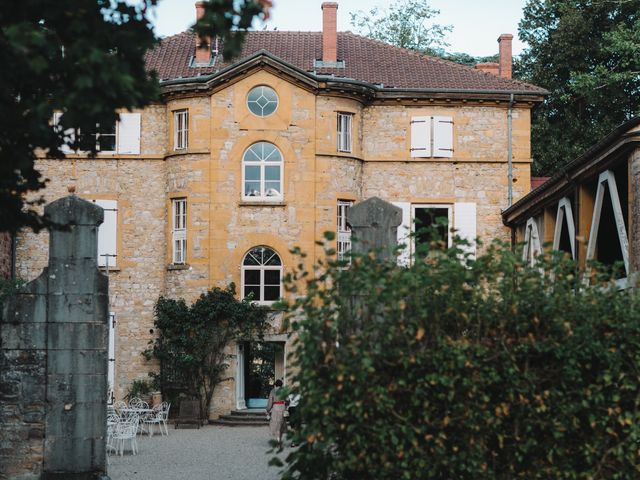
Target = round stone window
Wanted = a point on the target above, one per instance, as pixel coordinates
(262, 101)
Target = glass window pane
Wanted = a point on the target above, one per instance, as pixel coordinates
(431, 224)
(251, 154)
(252, 277)
(272, 277)
(252, 289)
(269, 108)
(272, 189)
(271, 153)
(267, 150)
(107, 143)
(272, 173)
(272, 259)
(254, 94)
(262, 101)
(252, 189)
(252, 172)
(87, 141)
(253, 257)
(271, 293)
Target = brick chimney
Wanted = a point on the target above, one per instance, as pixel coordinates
(489, 67)
(203, 45)
(504, 42)
(329, 32)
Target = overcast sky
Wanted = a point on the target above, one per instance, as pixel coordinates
(476, 23)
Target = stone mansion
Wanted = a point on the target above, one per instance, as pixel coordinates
(243, 160)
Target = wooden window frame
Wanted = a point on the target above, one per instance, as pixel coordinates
(179, 231)
(181, 129)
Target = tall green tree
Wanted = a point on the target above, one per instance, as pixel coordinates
(86, 59)
(587, 54)
(406, 24)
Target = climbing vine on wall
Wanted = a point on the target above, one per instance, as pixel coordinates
(191, 340)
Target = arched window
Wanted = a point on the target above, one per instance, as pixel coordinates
(262, 275)
(262, 171)
(262, 101)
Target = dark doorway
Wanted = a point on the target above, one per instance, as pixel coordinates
(260, 371)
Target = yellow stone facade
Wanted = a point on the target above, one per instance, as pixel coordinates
(222, 227)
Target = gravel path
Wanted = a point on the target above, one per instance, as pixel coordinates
(210, 453)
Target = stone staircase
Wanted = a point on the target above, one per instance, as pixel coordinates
(251, 417)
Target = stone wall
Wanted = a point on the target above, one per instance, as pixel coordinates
(222, 227)
(53, 358)
(6, 254)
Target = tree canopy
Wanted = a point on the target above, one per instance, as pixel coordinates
(84, 58)
(406, 24)
(587, 54)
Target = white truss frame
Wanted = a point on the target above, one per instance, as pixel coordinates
(531, 242)
(607, 177)
(565, 211)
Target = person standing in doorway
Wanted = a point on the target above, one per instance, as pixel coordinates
(275, 410)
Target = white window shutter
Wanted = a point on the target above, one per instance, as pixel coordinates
(442, 137)
(465, 224)
(404, 232)
(129, 133)
(69, 133)
(108, 233)
(420, 136)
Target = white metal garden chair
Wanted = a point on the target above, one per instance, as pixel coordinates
(126, 430)
(158, 417)
(113, 420)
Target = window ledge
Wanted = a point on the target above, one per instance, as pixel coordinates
(262, 203)
(111, 269)
(178, 266)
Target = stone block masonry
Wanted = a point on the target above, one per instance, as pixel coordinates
(6, 255)
(53, 358)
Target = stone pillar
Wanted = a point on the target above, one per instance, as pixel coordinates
(374, 226)
(53, 357)
(634, 216)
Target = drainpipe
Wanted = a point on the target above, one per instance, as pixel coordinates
(510, 152)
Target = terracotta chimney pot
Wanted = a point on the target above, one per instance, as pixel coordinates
(329, 32)
(203, 45)
(505, 40)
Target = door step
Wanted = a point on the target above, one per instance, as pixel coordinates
(251, 417)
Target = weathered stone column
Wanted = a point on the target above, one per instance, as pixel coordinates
(374, 226)
(634, 224)
(54, 357)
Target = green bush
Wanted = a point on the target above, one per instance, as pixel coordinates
(140, 389)
(451, 369)
(192, 340)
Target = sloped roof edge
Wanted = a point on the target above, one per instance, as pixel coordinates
(618, 137)
(264, 55)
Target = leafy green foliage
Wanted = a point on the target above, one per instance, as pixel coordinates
(465, 369)
(405, 24)
(468, 60)
(84, 58)
(587, 54)
(191, 341)
(140, 389)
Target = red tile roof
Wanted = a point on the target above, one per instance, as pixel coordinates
(537, 181)
(365, 60)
